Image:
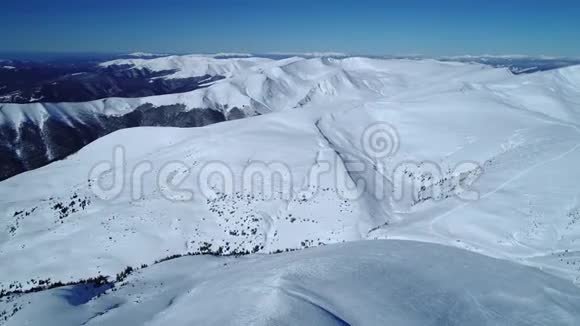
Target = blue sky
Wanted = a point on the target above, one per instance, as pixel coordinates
(429, 27)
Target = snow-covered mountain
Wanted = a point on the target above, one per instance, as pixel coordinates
(86, 79)
(38, 133)
(364, 283)
(35, 134)
(185, 66)
(146, 55)
(459, 154)
(518, 64)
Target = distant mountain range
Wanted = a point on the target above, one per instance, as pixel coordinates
(73, 79)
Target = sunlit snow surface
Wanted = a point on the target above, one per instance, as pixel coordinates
(520, 131)
(360, 283)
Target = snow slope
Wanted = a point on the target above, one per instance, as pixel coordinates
(515, 139)
(363, 283)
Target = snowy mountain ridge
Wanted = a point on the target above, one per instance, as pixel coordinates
(467, 156)
(255, 86)
(380, 282)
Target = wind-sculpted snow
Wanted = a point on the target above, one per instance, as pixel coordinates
(363, 283)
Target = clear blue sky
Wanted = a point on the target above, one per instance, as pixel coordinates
(429, 27)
